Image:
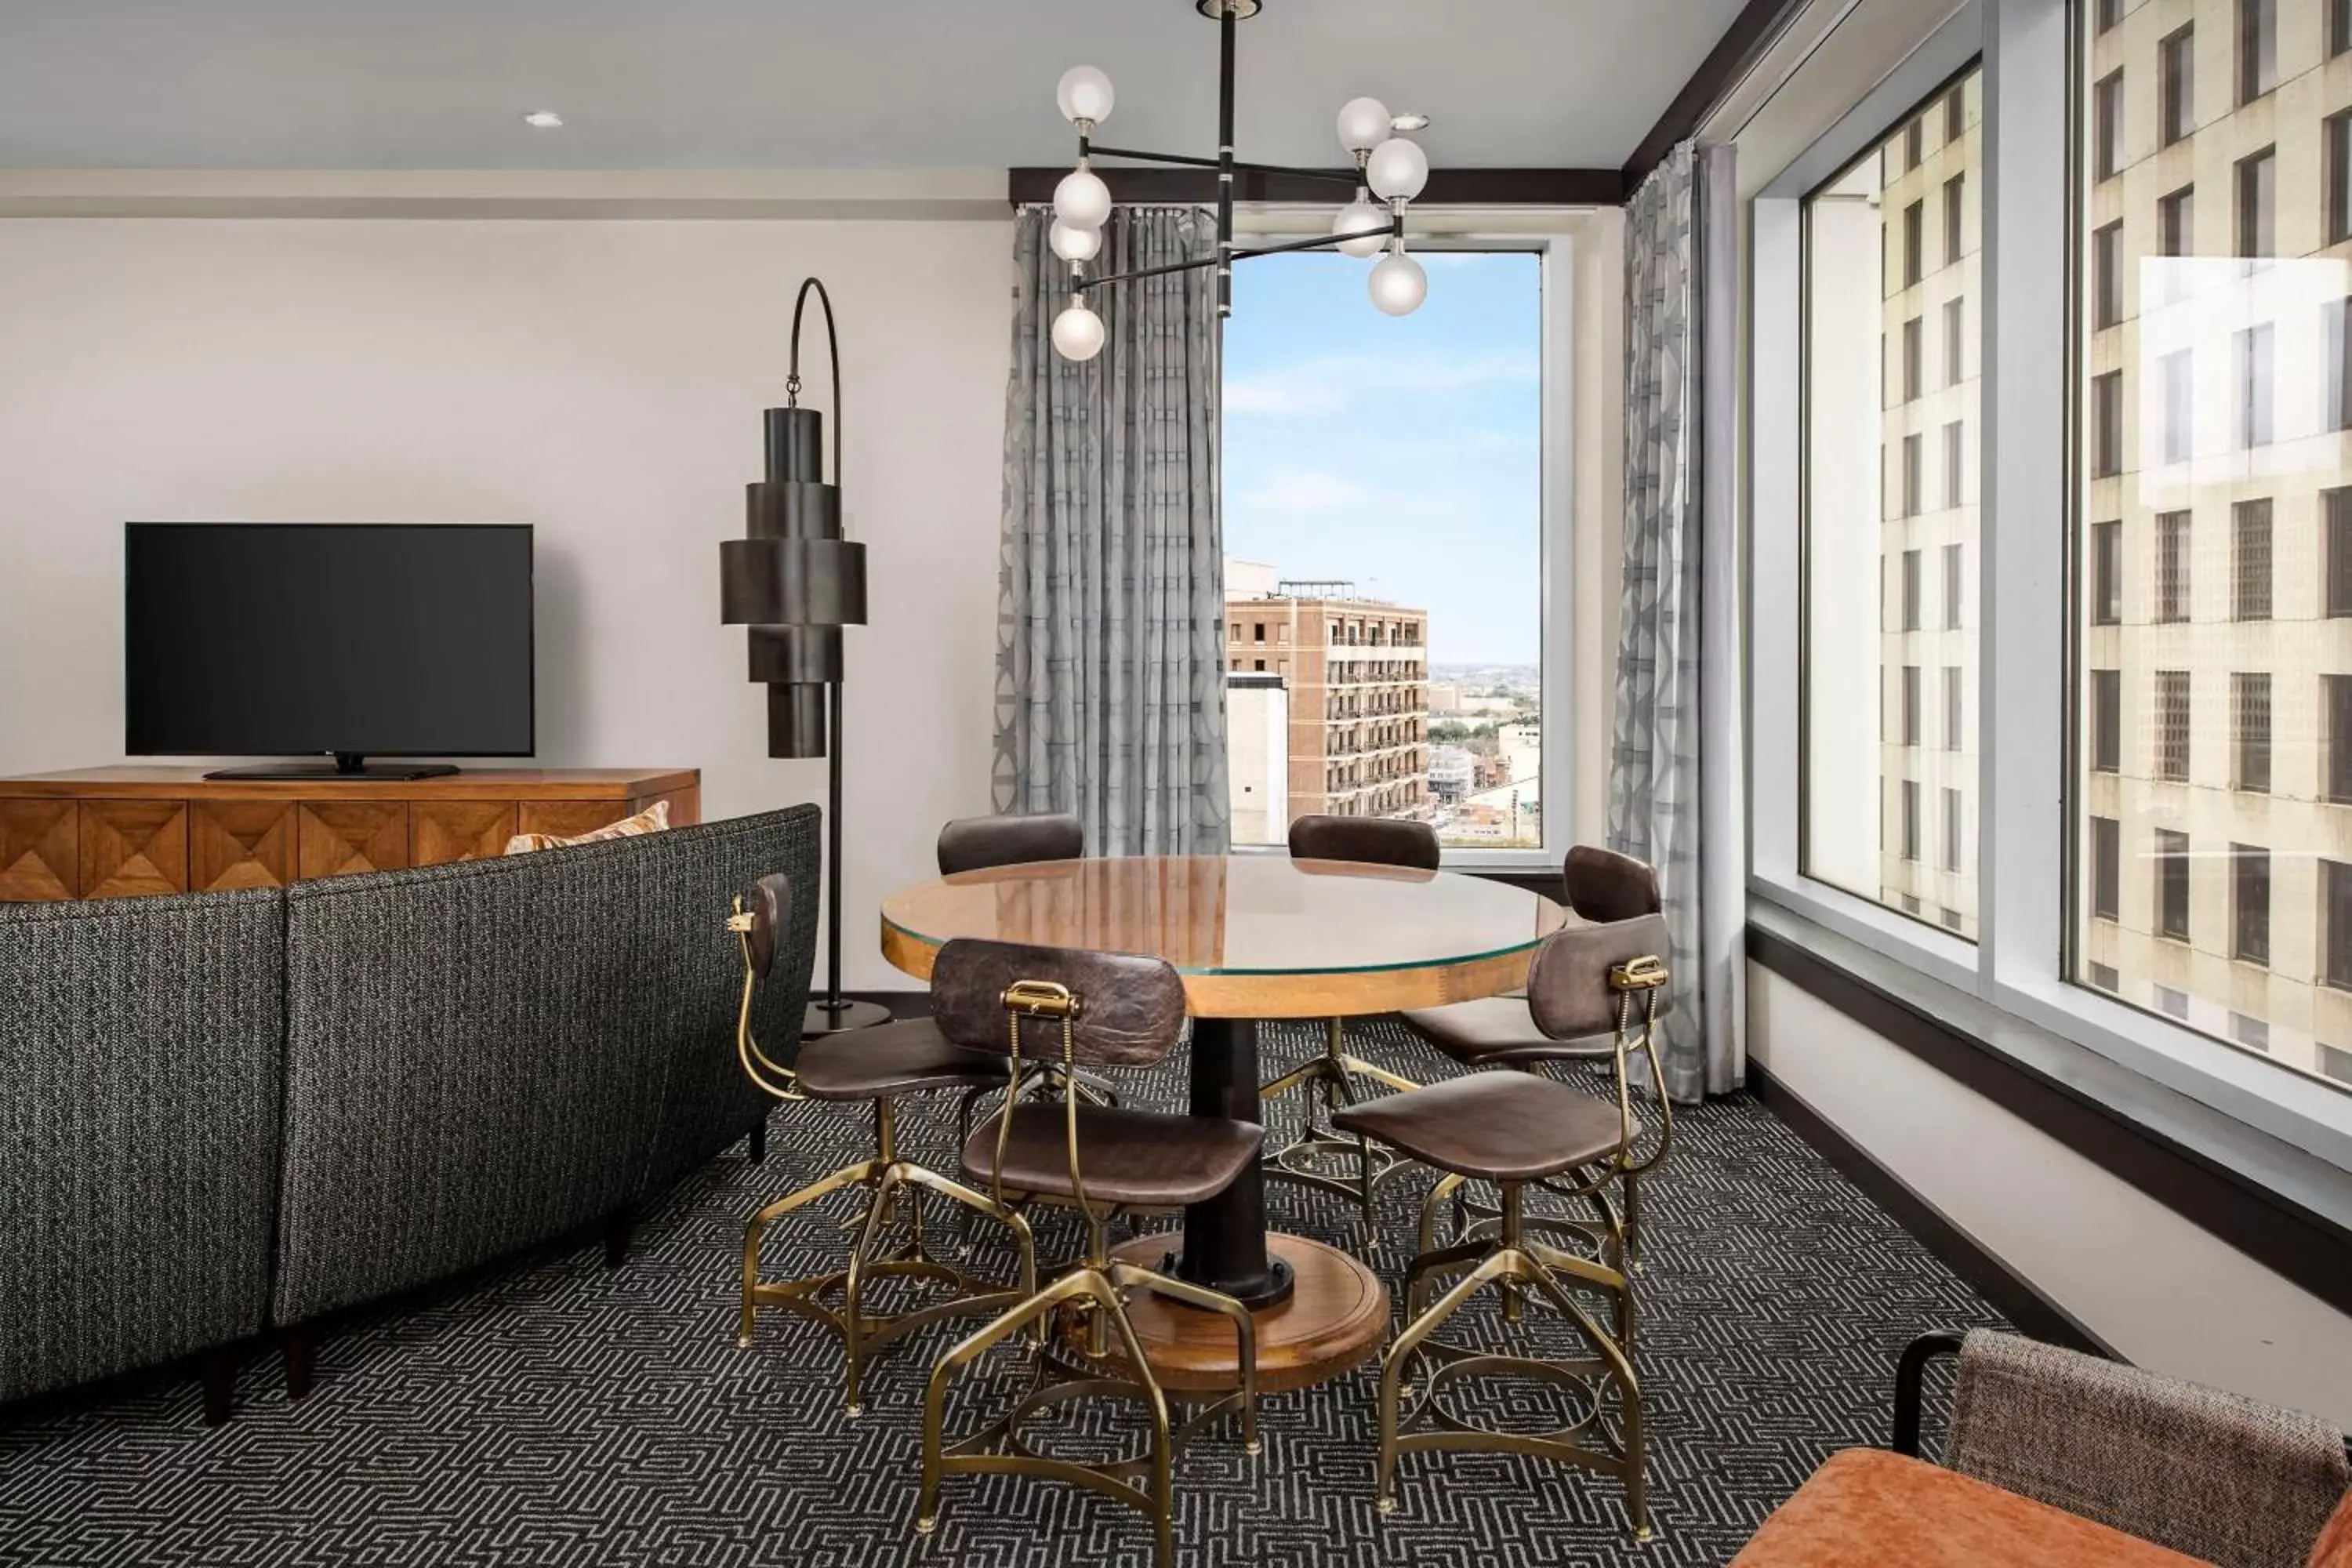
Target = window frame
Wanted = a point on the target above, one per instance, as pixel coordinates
(2034, 95)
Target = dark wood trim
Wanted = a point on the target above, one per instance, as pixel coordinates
(1742, 44)
(2014, 1295)
(1447, 187)
(2311, 1248)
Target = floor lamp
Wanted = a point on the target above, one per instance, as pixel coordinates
(795, 583)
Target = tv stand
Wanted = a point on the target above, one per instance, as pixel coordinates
(346, 765)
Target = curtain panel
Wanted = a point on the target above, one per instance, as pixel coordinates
(1110, 694)
(1675, 745)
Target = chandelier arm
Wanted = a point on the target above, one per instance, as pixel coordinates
(1321, 242)
(1324, 242)
(1080, 285)
(1328, 176)
(1097, 150)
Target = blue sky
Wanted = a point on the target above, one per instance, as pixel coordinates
(1404, 454)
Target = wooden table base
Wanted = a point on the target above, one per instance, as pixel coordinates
(1337, 1317)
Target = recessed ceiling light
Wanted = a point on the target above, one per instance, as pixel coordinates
(542, 120)
(1409, 122)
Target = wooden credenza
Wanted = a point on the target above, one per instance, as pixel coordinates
(110, 833)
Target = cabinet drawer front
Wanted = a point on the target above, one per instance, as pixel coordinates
(569, 818)
(444, 830)
(240, 843)
(337, 837)
(130, 847)
(40, 850)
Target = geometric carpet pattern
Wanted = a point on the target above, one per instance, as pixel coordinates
(559, 1413)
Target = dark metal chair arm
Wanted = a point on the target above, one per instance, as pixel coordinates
(1908, 1374)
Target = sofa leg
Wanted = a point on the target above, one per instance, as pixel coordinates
(759, 1142)
(302, 1358)
(616, 1240)
(220, 1384)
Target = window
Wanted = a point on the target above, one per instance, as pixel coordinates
(2172, 1004)
(2176, 222)
(2250, 702)
(2172, 725)
(2249, 557)
(2337, 139)
(2251, 385)
(2108, 121)
(2106, 573)
(2110, 12)
(2257, 48)
(2107, 870)
(2335, 1063)
(2339, 26)
(1954, 825)
(2336, 714)
(2257, 185)
(2250, 904)
(2335, 365)
(1888, 432)
(1372, 612)
(2105, 977)
(2335, 512)
(2106, 275)
(2106, 721)
(2336, 916)
(2178, 112)
(2171, 885)
(2178, 374)
(2251, 1033)
(2107, 425)
(2171, 567)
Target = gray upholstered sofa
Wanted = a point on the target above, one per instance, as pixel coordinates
(227, 1113)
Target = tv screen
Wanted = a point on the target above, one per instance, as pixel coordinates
(278, 639)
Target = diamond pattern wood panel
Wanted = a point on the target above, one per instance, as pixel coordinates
(130, 847)
(338, 836)
(240, 843)
(569, 818)
(442, 830)
(40, 856)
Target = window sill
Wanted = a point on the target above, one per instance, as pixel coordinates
(2287, 1208)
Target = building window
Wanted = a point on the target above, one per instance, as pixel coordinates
(2250, 903)
(2335, 512)
(2176, 371)
(2107, 425)
(2336, 714)
(1237, 633)
(2339, 26)
(2106, 869)
(2107, 125)
(2177, 115)
(2106, 573)
(1953, 825)
(2335, 1063)
(2250, 560)
(1410, 660)
(2171, 1003)
(2171, 567)
(2257, 191)
(2171, 885)
(2257, 48)
(1915, 142)
(2336, 918)
(2106, 275)
(2251, 385)
(2335, 365)
(2105, 977)
(2172, 725)
(2106, 721)
(2250, 701)
(2251, 1033)
(2109, 13)
(2337, 140)
(1887, 498)
(1910, 904)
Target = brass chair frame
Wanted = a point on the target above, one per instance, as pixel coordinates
(1332, 1073)
(887, 1179)
(1418, 1367)
(1099, 1287)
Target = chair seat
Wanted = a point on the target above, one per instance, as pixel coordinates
(1491, 1126)
(1866, 1508)
(1141, 1158)
(909, 1057)
(1495, 1030)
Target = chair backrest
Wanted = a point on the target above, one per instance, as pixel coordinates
(766, 905)
(1369, 840)
(1571, 991)
(1605, 886)
(1129, 1009)
(976, 843)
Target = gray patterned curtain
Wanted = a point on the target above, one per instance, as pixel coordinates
(1675, 761)
(1110, 690)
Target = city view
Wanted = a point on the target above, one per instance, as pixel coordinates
(1383, 483)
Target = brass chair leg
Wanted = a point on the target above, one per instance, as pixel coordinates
(862, 1174)
(1133, 1276)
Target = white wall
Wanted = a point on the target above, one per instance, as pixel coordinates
(602, 380)
(2165, 1293)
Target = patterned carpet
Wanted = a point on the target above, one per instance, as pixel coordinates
(559, 1414)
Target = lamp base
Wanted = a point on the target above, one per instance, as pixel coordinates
(821, 1019)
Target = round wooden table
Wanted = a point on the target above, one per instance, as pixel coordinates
(1254, 936)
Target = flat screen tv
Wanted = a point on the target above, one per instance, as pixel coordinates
(344, 640)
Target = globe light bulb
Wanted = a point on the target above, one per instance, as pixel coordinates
(1397, 169)
(1355, 219)
(1072, 243)
(1084, 94)
(1398, 284)
(1363, 124)
(1078, 331)
(1081, 200)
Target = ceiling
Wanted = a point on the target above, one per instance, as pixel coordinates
(812, 84)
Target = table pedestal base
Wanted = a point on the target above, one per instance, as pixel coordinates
(1336, 1317)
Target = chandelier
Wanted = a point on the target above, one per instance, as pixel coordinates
(1391, 170)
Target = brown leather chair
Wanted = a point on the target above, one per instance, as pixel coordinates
(1363, 840)
(1065, 1007)
(977, 843)
(1515, 1130)
(880, 1065)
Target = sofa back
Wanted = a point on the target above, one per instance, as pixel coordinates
(139, 1066)
(486, 1055)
